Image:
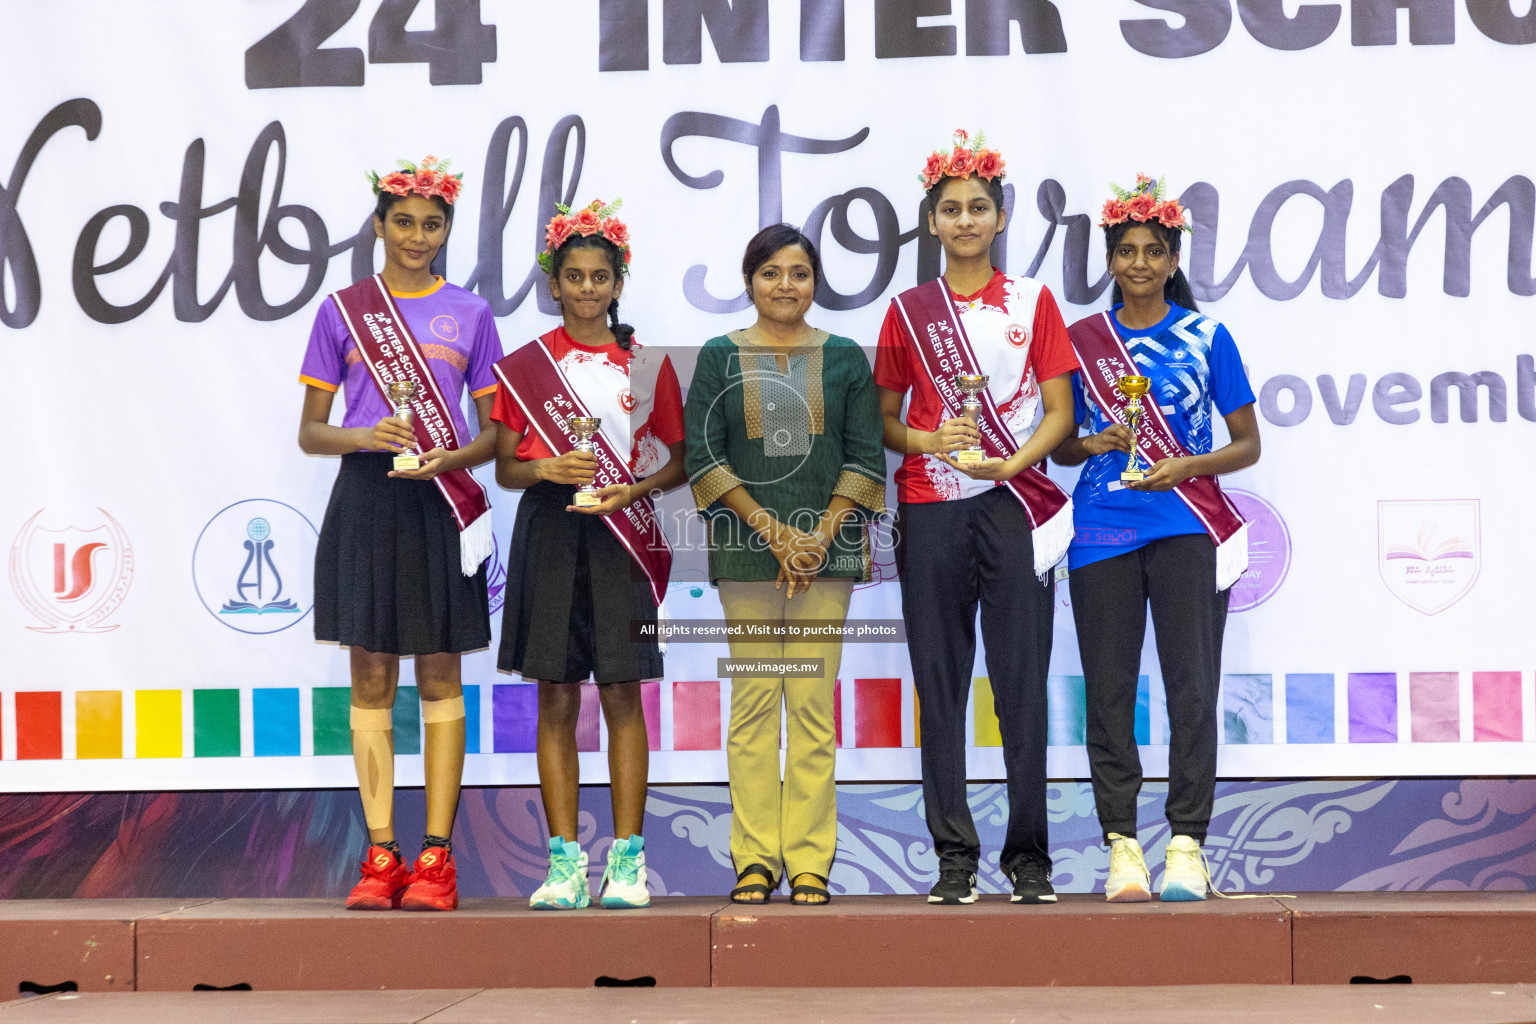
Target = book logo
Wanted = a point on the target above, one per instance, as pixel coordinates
(1429, 552)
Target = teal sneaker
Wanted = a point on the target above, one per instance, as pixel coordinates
(566, 888)
(1185, 876)
(624, 879)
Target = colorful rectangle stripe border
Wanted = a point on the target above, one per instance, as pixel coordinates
(878, 713)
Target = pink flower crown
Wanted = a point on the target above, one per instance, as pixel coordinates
(429, 180)
(1144, 203)
(596, 218)
(967, 158)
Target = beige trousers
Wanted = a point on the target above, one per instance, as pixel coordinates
(789, 827)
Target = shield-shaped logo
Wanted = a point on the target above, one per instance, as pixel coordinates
(1429, 552)
(71, 577)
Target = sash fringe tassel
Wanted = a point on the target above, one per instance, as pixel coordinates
(475, 544)
(663, 617)
(1232, 558)
(1051, 540)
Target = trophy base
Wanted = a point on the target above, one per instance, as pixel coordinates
(1132, 476)
(587, 499)
(970, 456)
(407, 462)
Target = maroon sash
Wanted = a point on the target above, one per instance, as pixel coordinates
(939, 337)
(1105, 359)
(535, 381)
(390, 352)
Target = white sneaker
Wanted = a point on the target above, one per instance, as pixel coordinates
(1129, 881)
(624, 879)
(566, 888)
(1184, 876)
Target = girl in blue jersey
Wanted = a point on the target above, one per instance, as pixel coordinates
(1140, 543)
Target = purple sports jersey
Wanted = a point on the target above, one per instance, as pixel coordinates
(455, 330)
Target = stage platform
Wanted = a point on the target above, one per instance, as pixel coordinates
(1225, 1004)
(105, 946)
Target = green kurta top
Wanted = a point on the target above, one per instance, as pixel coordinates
(793, 440)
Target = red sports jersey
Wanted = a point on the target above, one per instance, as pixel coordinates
(1019, 339)
(650, 399)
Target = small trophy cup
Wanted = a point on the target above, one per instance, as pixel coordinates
(972, 384)
(585, 428)
(1133, 388)
(400, 394)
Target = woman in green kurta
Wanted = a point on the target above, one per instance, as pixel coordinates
(785, 460)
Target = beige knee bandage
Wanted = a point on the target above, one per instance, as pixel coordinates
(435, 711)
(373, 752)
(444, 761)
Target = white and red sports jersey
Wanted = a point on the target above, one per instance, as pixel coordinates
(637, 388)
(1019, 339)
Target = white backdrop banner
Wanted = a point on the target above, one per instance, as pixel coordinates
(181, 184)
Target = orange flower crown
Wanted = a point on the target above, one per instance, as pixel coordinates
(1144, 203)
(596, 218)
(965, 159)
(429, 180)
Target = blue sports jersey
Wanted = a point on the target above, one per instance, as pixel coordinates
(1193, 363)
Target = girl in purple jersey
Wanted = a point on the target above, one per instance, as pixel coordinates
(388, 579)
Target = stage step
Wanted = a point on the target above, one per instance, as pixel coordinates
(299, 945)
(78, 945)
(1273, 1004)
(1448, 938)
(681, 942)
(903, 940)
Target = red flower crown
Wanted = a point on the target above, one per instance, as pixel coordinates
(965, 159)
(596, 218)
(429, 180)
(1144, 203)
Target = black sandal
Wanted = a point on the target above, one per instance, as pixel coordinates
(811, 890)
(739, 894)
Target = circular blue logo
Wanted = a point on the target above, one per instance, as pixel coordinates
(253, 566)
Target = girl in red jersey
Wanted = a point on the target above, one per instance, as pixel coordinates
(978, 524)
(585, 568)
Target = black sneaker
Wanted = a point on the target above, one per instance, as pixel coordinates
(955, 885)
(1032, 884)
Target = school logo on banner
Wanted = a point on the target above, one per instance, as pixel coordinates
(71, 577)
(1269, 552)
(1429, 552)
(254, 566)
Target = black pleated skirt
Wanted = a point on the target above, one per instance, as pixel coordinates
(572, 593)
(387, 575)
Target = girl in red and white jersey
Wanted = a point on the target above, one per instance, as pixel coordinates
(978, 525)
(581, 576)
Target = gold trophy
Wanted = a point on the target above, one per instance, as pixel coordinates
(971, 384)
(585, 428)
(400, 394)
(1133, 388)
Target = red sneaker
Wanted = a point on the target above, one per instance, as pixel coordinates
(432, 883)
(383, 883)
